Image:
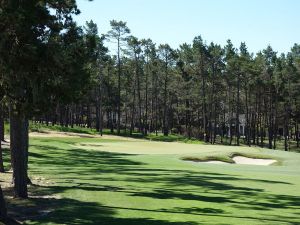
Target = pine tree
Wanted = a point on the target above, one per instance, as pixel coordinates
(118, 33)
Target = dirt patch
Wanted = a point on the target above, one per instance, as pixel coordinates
(36, 206)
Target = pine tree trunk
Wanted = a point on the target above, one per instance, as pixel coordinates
(286, 129)
(1, 160)
(26, 146)
(132, 121)
(119, 91)
(100, 113)
(54, 118)
(3, 211)
(211, 107)
(47, 120)
(253, 127)
(258, 112)
(152, 102)
(270, 131)
(67, 116)
(101, 121)
(257, 129)
(152, 114)
(97, 117)
(215, 125)
(88, 116)
(187, 117)
(156, 113)
(81, 120)
(1, 123)
(1, 139)
(297, 133)
(71, 115)
(126, 119)
(18, 133)
(223, 127)
(137, 74)
(204, 109)
(111, 122)
(275, 121)
(209, 136)
(165, 115)
(237, 122)
(271, 115)
(108, 119)
(230, 119)
(133, 110)
(61, 119)
(146, 126)
(261, 126)
(247, 120)
(286, 139)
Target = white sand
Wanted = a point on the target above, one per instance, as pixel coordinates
(251, 161)
(245, 161)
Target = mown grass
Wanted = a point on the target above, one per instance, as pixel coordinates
(90, 185)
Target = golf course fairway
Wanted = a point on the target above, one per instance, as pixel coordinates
(127, 182)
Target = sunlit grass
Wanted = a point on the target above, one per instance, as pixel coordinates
(95, 186)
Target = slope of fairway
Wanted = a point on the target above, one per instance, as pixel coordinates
(152, 147)
(96, 181)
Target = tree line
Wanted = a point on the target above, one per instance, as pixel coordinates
(55, 72)
(205, 91)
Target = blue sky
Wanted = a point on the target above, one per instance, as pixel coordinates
(256, 22)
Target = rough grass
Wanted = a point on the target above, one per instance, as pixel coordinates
(87, 184)
(36, 127)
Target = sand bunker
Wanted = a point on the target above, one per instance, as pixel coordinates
(246, 161)
(251, 161)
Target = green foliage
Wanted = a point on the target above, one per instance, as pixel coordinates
(42, 56)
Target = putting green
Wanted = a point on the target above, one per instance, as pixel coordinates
(119, 182)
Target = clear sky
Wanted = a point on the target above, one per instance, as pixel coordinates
(256, 22)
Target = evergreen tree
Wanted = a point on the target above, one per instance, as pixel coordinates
(39, 65)
(118, 34)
